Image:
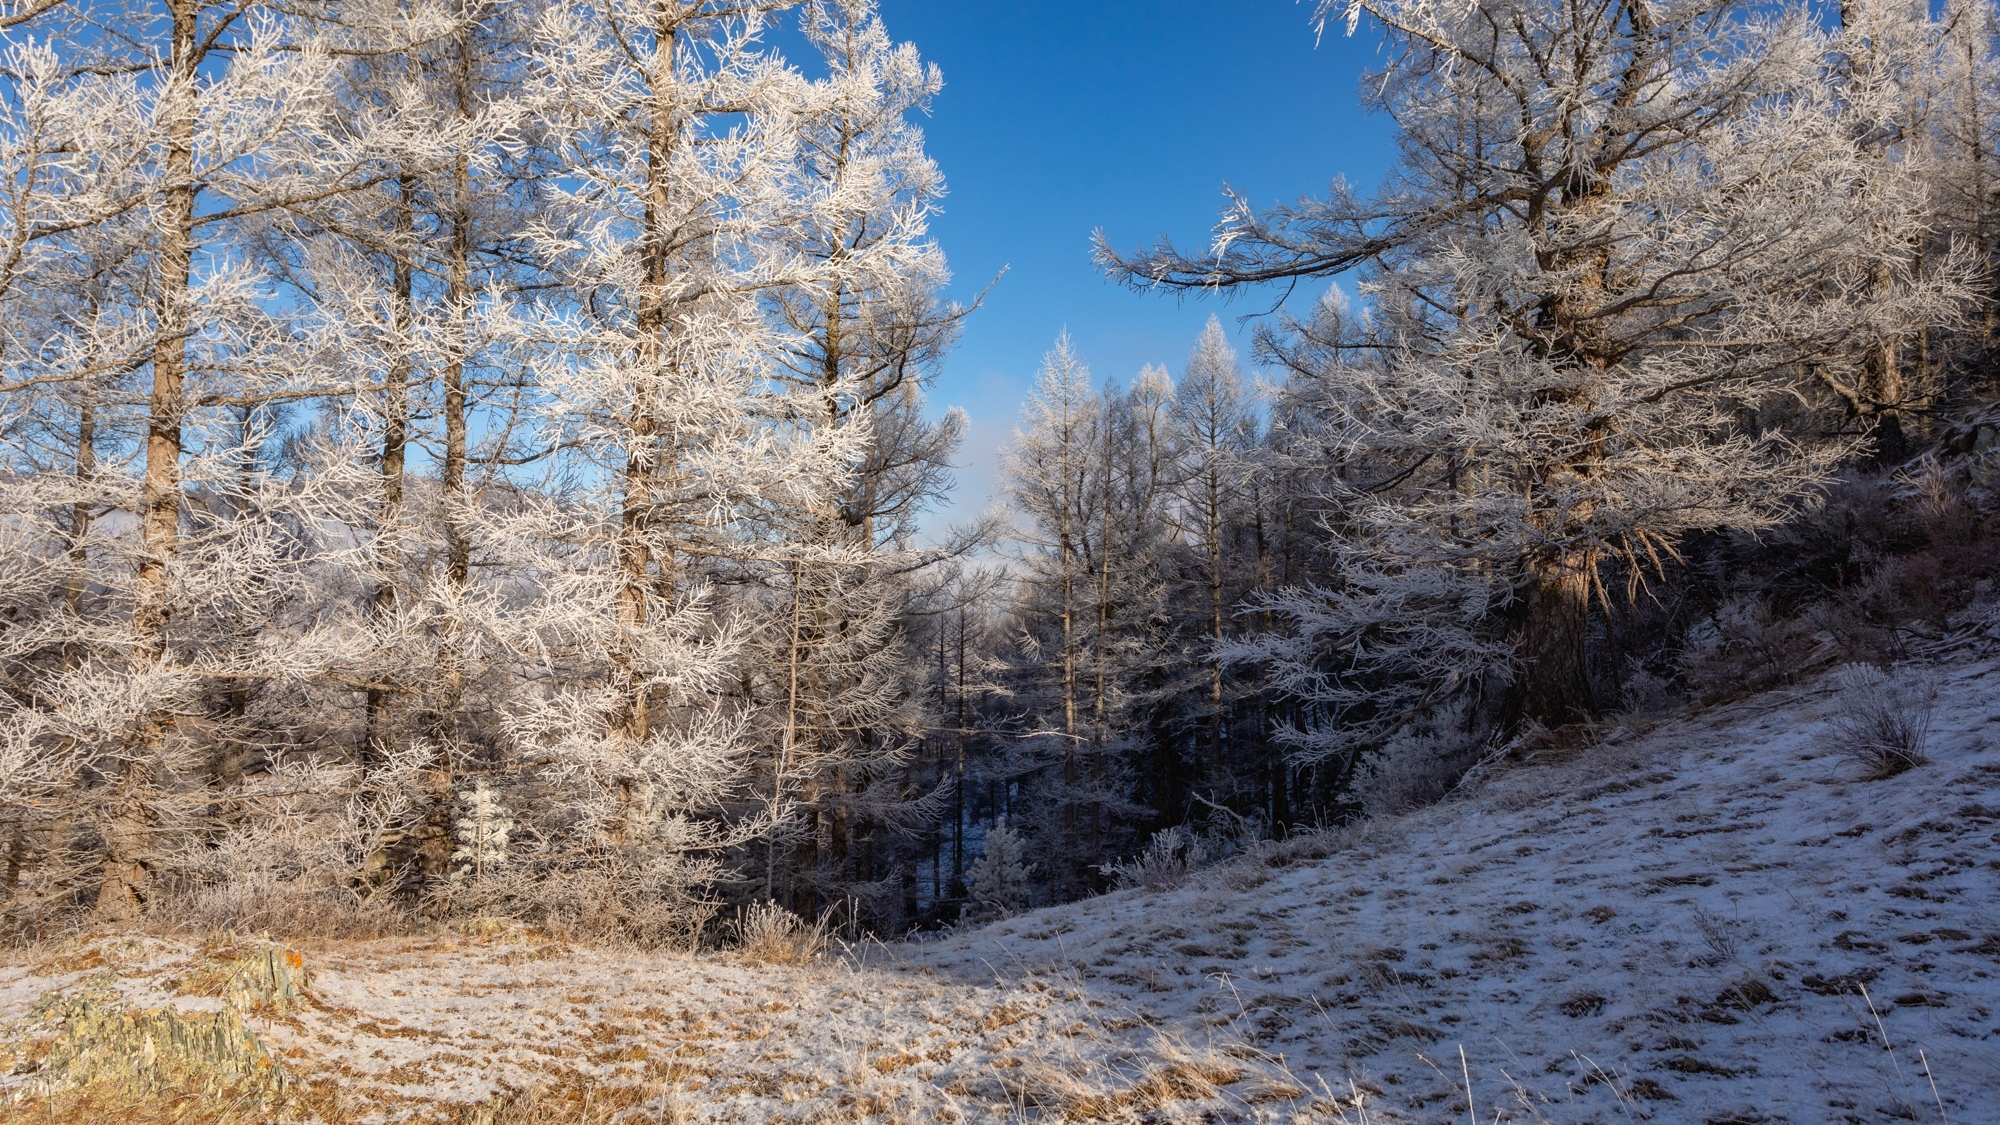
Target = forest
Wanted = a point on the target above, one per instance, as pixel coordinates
(471, 458)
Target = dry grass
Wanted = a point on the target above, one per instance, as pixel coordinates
(277, 906)
(258, 976)
(1881, 720)
(575, 1101)
(1172, 1080)
(571, 1101)
(1077, 1093)
(107, 1102)
(92, 1060)
(768, 934)
(1037, 1046)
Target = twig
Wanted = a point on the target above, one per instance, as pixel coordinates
(1932, 1079)
(1884, 1032)
(1471, 1107)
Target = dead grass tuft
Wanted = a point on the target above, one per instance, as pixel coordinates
(264, 975)
(768, 934)
(109, 1102)
(1881, 720)
(1177, 1077)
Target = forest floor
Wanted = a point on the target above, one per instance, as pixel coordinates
(1709, 921)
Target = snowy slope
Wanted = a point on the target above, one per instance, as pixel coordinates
(1679, 927)
(1675, 927)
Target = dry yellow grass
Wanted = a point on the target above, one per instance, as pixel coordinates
(768, 934)
(423, 1031)
(108, 1102)
(575, 1101)
(570, 1101)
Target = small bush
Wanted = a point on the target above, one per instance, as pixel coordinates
(1422, 764)
(1881, 719)
(1170, 857)
(998, 881)
(1645, 694)
(768, 933)
(1303, 845)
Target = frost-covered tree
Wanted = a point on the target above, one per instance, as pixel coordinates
(998, 882)
(868, 328)
(1891, 66)
(1217, 438)
(190, 125)
(1616, 232)
(1964, 165)
(412, 282)
(1089, 476)
(1049, 470)
(1134, 659)
(482, 832)
(678, 134)
(402, 392)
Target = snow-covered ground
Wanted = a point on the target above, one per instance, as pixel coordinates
(1678, 926)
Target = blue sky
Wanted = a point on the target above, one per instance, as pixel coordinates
(1061, 117)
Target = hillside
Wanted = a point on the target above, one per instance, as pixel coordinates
(1677, 926)
(1674, 926)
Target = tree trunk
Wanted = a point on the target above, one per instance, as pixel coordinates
(958, 788)
(1214, 536)
(1883, 393)
(395, 449)
(78, 580)
(125, 888)
(1554, 684)
(129, 861)
(643, 453)
(434, 854)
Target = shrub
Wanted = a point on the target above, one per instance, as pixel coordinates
(1421, 764)
(1170, 856)
(1881, 719)
(768, 933)
(1744, 649)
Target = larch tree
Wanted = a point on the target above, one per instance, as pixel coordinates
(1966, 175)
(1614, 230)
(678, 133)
(1890, 69)
(866, 334)
(215, 118)
(1217, 440)
(1048, 470)
(73, 341)
(417, 276)
(1129, 545)
(1089, 476)
(424, 422)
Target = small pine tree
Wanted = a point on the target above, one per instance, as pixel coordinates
(999, 880)
(482, 831)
